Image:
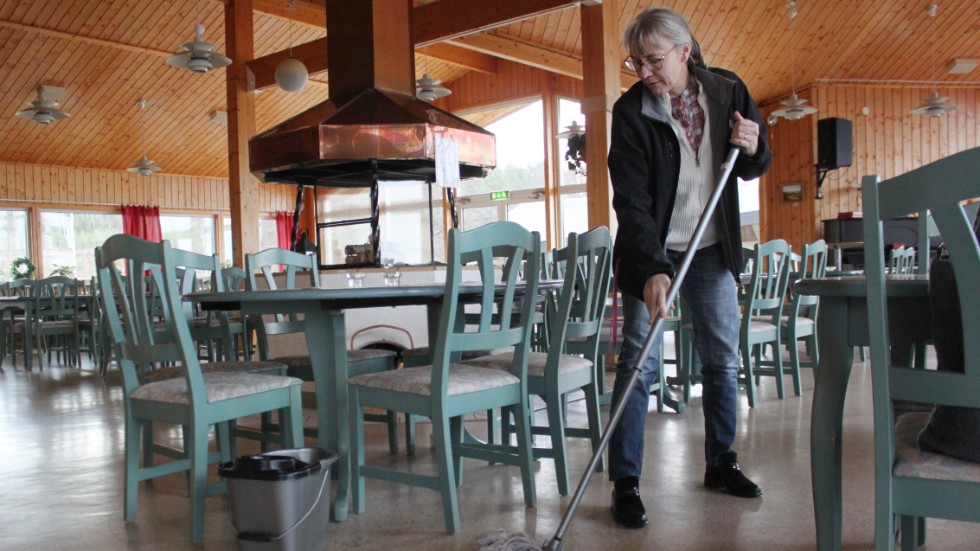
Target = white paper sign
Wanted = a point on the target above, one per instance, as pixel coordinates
(447, 162)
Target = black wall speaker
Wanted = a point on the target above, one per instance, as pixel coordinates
(834, 142)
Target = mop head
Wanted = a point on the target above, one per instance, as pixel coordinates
(501, 541)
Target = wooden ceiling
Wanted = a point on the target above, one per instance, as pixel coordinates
(109, 54)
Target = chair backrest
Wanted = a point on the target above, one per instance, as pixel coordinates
(497, 245)
(939, 188)
(578, 311)
(56, 297)
(813, 265)
(20, 287)
(766, 292)
(266, 263)
(135, 277)
(233, 278)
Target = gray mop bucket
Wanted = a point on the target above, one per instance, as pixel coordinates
(280, 500)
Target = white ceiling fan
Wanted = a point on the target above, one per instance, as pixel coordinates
(44, 110)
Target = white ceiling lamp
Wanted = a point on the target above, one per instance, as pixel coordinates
(429, 89)
(291, 73)
(44, 110)
(571, 130)
(795, 107)
(143, 166)
(934, 105)
(198, 56)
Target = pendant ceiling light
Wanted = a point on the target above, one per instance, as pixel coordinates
(44, 110)
(429, 89)
(291, 74)
(795, 108)
(934, 105)
(571, 130)
(198, 56)
(143, 166)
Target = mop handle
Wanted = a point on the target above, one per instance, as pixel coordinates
(672, 292)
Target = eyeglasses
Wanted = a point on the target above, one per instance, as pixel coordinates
(651, 63)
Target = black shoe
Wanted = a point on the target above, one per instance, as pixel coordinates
(729, 475)
(628, 508)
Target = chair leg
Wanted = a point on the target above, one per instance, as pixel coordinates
(356, 416)
(595, 423)
(198, 453)
(556, 428)
(447, 474)
(778, 369)
(134, 428)
(524, 452)
(748, 376)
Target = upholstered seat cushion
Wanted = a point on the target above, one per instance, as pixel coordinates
(463, 379)
(759, 325)
(800, 322)
(422, 353)
(58, 324)
(171, 372)
(536, 362)
(911, 461)
(220, 386)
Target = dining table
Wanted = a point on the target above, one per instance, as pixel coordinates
(324, 330)
(842, 324)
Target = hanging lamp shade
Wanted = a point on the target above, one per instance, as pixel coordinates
(571, 130)
(796, 108)
(44, 110)
(429, 89)
(291, 75)
(144, 166)
(198, 56)
(934, 106)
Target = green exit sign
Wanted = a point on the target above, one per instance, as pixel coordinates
(499, 195)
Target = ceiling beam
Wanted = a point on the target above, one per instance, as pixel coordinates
(84, 39)
(528, 54)
(433, 22)
(461, 57)
(307, 12)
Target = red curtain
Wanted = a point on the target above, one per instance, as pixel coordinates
(142, 221)
(284, 229)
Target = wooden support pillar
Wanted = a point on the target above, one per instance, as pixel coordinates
(243, 188)
(601, 58)
(552, 180)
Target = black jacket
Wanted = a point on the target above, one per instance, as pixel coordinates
(644, 165)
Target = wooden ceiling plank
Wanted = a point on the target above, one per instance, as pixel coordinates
(435, 22)
(446, 19)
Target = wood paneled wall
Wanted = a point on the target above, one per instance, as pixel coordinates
(512, 82)
(888, 141)
(63, 187)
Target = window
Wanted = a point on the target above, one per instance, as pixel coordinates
(13, 239)
(70, 239)
(268, 237)
(573, 204)
(191, 233)
(520, 171)
(409, 234)
(748, 206)
(520, 153)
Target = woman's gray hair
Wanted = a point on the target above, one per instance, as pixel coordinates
(656, 24)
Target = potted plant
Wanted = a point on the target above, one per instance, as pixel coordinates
(64, 271)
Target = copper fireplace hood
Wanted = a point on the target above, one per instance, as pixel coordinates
(372, 127)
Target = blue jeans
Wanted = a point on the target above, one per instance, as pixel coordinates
(711, 297)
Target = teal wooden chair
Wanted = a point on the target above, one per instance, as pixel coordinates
(762, 315)
(574, 315)
(800, 323)
(195, 400)
(359, 361)
(445, 390)
(54, 320)
(911, 483)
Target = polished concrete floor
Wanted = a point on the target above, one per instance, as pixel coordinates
(61, 483)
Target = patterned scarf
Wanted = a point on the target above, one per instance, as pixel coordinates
(688, 112)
